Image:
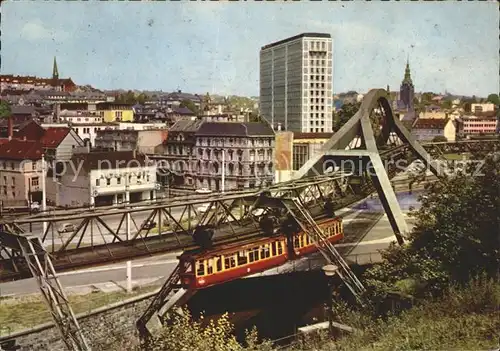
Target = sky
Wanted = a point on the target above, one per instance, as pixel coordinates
(214, 47)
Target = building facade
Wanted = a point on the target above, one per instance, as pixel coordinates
(144, 141)
(248, 150)
(193, 155)
(20, 166)
(429, 129)
(296, 83)
(106, 178)
(478, 108)
(114, 112)
(477, 125)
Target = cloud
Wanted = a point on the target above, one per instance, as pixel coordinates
(36, 31)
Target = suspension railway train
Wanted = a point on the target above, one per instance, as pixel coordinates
(201, 269)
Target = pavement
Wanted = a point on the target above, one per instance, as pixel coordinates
(154, 270)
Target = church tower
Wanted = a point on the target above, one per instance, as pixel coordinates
(407, 90)
(55, 72)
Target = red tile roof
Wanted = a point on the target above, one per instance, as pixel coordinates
(54, 136)
(30, 131)
(430, 123)
(50, 137)
(16, 149)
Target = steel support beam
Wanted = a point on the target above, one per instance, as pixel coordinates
(41, 268)
(376, 105)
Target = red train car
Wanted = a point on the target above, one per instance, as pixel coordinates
(204, 269)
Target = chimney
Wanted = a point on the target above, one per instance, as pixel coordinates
(10, 128)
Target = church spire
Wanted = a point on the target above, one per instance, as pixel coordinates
(407, 78)
(55, 72)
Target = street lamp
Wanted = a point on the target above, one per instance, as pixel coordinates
(330, 271)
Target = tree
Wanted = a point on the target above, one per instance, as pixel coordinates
(454, 240)
(5, 110)
(181, 333)
(190, 105)
(344, 114)
(493, 98)
(131, 98)
(447, 104)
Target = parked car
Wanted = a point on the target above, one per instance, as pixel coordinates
(35, 207)
(67, 228)
(149, 224)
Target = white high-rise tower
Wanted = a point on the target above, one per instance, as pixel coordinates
(296, 83)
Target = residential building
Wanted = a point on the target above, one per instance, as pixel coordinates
(429, 129)
(88, 131)
(105, 178)
(116, 112)
(176, 160)
(433, 114)
(248, 155)
(144, 141)
(20, 165)
(296, 83)
(193, 154)
(81, 117)
(57, 142)
(478, 108)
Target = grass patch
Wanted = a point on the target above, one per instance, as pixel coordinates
(18, 313)
(454, 157)
(463, 319)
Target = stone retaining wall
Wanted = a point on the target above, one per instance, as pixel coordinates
(102, 327)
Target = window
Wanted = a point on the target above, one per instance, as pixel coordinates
(118, 180)
(264, 251)
(108, 181)
(33, 166)
(253, 254)
(200, 268)
(242, 258)
(97, 182)
(34, 181)
(12, 165)
(229, 262)
(210, 266)
(13, 181)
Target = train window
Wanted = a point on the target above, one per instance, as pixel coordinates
(306, 240)
(218, 264)
(229, 262)
(280, 247)
(273, 248)
(242, 258)
(295, 242)
(210, 266)
(200, 268)
(264, 251)
(253, 254)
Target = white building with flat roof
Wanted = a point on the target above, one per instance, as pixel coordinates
(296, 83)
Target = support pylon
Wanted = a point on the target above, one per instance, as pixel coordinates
(357, 143)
